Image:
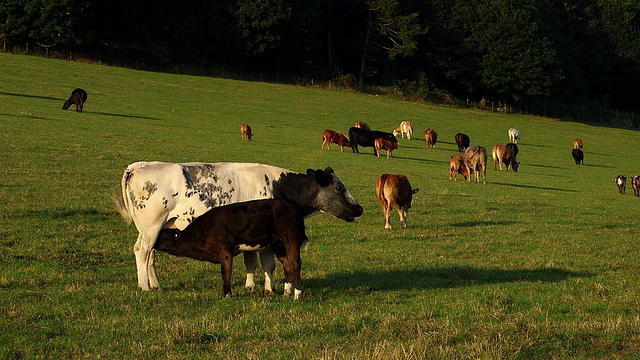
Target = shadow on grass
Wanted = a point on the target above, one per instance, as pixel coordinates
(123, 115)
(482, 223)
(533, 187)
(546, 166)
(448, 277)
(32, 96)
(25, 116)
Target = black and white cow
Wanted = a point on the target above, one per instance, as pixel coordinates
(366, 138)
(154, 192)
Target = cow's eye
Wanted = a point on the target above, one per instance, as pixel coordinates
(339, 188)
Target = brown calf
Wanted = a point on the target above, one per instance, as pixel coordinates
(430, 137)
(475, 158)
(635, 184)
(577, 143)
(245, 132)
(331, 137)
(621, 182)
(394, 191)
(457, 166)
(77, 98)
(385, 144)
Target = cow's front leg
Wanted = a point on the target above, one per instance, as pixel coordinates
(226, 268)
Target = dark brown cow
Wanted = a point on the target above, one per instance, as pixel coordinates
(331, 137)
(245, 132)
(635, 184)
(361, 125)
(223, 232)
(578, 156)
(475, 158)
(430, 137)
(394, 191)
(462, 141)
(621, 182)
(78, 98)
(577, 143)
(457, 166)
(384, 144)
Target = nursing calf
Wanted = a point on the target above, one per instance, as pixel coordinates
(457, 166)
(394, 191)
(223, 232)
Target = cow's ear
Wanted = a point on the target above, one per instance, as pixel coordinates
(415, 191)
(310, 172)
(171, 223)
(323, 179)
(328, 170)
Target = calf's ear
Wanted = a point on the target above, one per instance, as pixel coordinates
(414, 191)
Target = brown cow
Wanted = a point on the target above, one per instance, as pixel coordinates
(361, 125)
(505, 155)
(635, 184)
(385, 144)
(475, 158)
(245, 132)
(331, 137)
(394, 191)
(621, 182)
(78, 98)
(405, 127)
(430, 137)
(457, 166)
(462, 140)
(577, 143)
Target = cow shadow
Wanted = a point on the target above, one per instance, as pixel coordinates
(546, 166)
(32, 96)
(482, 223)
(25, 116)
(534, 187)
(437, 278)
(123, 115)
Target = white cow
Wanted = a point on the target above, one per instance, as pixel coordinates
(158, 195)
(514, 135)
(405, 127)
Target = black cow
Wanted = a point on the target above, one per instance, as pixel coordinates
(578, 156)
(366, 138)
(77, 98)
(223, 232)
(462, 141)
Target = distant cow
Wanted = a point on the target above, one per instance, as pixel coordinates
(78, 98)
(361, 125)
(635, 184)
(331, 137)
(514, 135)
(394, 191)
(577, 143)
(457, 166)
(383, 144)
(430, 137)
(475, 158)
(366, 138)
(462, 141)
(578, 156)
(223, 232)
(245, 132)
(509, 158)
(621, 182)
(405, 127)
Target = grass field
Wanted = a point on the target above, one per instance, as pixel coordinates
(542, 263)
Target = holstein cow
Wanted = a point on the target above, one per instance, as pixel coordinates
(577, 143)
(430, 137)
(405, 127)
(475, 158)
(154, 192)
(366, 138)
(77, 98)
(361, 125)
(635, 184)
(621, 182)
(505, 155)
(380, 144)
(457, 166)
(514, 135)
(245, 132)
(223, 232)
(331, 137)
(462, 141)
(394, 191)
(578, 156)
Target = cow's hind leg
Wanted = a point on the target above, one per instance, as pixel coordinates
(269, 266)
(291, 263)
(143, 250)
(251, 263)
(403, 216)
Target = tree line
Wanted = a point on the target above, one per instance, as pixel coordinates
(515, 52)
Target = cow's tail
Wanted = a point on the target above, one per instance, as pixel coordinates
(123, 204)
(381, 181)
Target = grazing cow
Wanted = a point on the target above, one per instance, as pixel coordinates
(405, 127)
(430, 137)
(367, 138)
(509, 159)
(635, 184)
(394, 191)
(388, 145)
(621, 182)
(222, 232)
(475, 158)
(514, 135)
(462, 141)
(577, 143)
(457, 166)
(154, 192)
(361, 125)
(331, 137)
(245, 132)
(78, 98)
(497, 153)
(578, 156)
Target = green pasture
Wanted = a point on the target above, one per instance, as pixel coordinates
(542, 263)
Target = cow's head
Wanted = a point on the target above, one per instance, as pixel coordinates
(166, 239)
(66, 105)
(515, 165)
(332, 196)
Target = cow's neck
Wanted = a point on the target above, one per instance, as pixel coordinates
(299, 188)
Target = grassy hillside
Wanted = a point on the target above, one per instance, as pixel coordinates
(539, 263)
